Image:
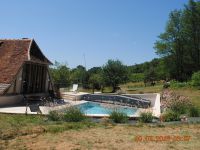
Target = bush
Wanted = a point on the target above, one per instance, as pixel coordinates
(55, 115)
(176, 84)
(146, 117)
(74, 114)
(196, 79)
(118, 117)
(166, 85)
(171, 116)
(194, 112)
(179, 107)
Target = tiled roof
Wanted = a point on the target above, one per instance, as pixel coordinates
(13, 53)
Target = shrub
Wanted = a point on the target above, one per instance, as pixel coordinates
(166, 85)
(55, 115)
(194, 112)
(171, 116)
(176, 84)
(118, 117)
(175, 102)
(146, 117)
(179, 107)
(196, 79)
(74, 114)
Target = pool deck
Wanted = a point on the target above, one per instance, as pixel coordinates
(155, 107)
(44, 109)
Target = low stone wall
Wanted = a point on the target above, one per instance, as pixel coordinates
(10, 100)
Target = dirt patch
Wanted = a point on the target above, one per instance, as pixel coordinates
(115, 137)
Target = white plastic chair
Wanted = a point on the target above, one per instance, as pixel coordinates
(75, 88)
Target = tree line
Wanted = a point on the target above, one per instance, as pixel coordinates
(111, 74)
(178, 47)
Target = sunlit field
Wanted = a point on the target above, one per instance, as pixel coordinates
(29, 132)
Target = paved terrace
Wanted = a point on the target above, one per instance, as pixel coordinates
(44, 109)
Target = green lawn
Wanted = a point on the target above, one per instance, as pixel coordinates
(35, 132)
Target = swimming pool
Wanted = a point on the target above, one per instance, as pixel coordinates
(91, 108)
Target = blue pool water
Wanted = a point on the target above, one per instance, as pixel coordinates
(97, 108)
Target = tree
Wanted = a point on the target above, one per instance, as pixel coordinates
(95, 81)
(191, 21)
(179, 45)
(60, 74)
(150, 76)
(79, 75)
(137, 71)
(171, 45)
(95, 70)
(196, 79)
(115, 73)
(136, 77)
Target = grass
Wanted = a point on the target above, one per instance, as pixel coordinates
(194, 112)
(12, 126)
(146, 117)
(65, 126)
(37, 132)
(171, 116)
(132, 88)
(135, 88)
(73, 114)
(118, 117)
(105, 90)
(34, 132)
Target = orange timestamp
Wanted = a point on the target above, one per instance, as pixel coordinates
(162, 138)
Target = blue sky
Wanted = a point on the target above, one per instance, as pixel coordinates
(66, 30)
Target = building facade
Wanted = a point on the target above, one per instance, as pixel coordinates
(24, 70)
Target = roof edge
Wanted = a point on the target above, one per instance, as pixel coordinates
(40, 51)
(29, 48)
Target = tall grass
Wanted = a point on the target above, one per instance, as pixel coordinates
(118, 117)
(71, 114)
(170, 115)
(194, 111)
(55, 116)
(74, 114)
(146, 117)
